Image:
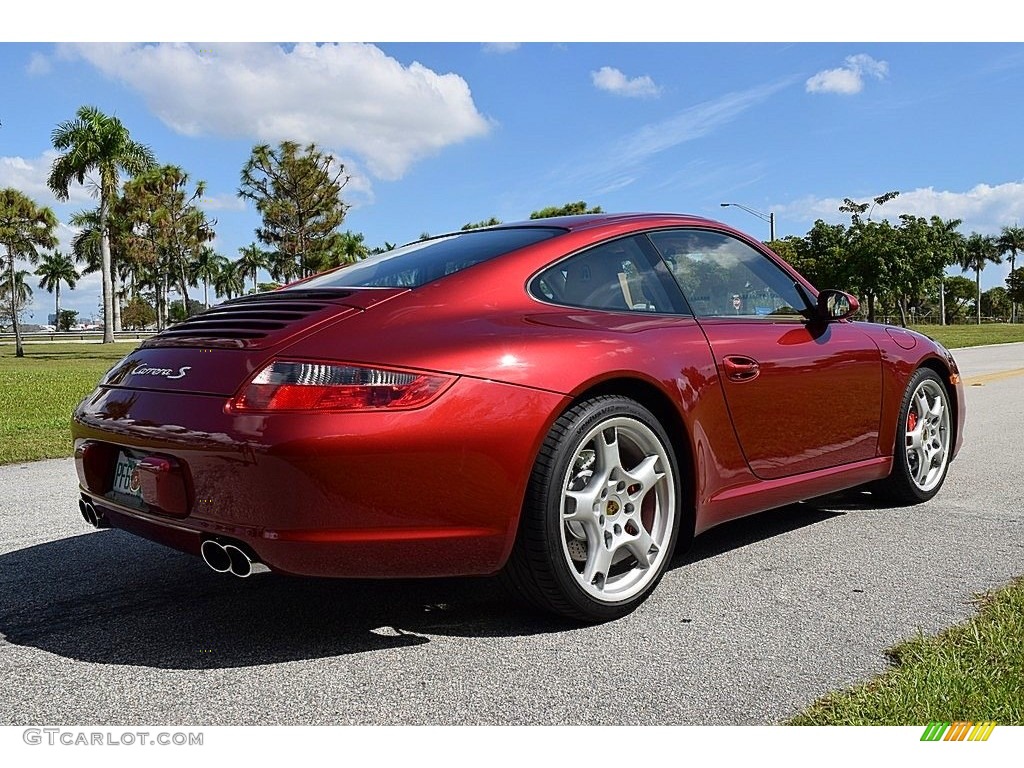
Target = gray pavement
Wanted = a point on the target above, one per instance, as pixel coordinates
(757, 620)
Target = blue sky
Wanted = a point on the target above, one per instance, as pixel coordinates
(435, 135)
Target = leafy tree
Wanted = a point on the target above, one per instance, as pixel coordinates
(923, 249)
(24, 228)
(491, 222)
(169, 229)
(91, 142)
(569, 209)
(178, 311)
(979, 250)
(821, 255)
(251, 260)
(959, 295)
(1011, 241)
(66, 318)
(138, 314)
(57, 268)
(1015, 285)
(873, 258)
(297, 191)
(206, 266)
(995, 303)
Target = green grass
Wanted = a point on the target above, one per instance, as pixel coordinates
(953, 336)
(972, 672)
(39, 391)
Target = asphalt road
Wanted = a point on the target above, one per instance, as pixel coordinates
(757, 620)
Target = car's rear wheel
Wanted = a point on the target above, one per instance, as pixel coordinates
(924, 440)
(601, 516)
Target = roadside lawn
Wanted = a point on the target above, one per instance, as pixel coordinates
(952, 336)
(39, 391)
(971, 672)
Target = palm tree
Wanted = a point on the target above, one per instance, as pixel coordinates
(978, 251)
(1011, 240)
(206, 267)
(24, 227)
(55, 269)
(94, 141)
(349, 249)
(950, 243)
(282, 266)
(252, 259)
(230, 281)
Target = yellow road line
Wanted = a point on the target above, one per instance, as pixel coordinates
(985, 378)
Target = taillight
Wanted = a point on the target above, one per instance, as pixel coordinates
(301, 386)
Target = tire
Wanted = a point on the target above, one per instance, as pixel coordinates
(924, 439)
(601, 514)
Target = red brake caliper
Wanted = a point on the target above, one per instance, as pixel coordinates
(911, 421)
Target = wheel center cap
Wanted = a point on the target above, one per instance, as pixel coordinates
(612, 508)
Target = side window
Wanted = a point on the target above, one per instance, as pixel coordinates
(623, 275)
(722, 276)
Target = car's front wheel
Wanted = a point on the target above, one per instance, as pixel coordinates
(602, 512)
(924, 440)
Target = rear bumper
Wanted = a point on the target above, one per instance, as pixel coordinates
(432, 492)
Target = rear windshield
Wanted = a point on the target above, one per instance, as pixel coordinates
(417, 263)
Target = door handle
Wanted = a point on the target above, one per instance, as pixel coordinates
(740, 368)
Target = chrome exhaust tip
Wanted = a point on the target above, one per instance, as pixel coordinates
(91, 515)
(229, 558)
(215, 556)
(241, 563)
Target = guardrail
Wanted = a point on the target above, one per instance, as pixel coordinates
(80, 336)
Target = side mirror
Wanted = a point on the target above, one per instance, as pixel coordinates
(836, 305)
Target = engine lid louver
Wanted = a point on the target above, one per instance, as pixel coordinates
(256, 321)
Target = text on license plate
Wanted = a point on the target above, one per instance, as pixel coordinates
(126, 479)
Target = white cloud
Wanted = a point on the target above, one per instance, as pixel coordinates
(625, 159)
(614, 81)
(984, 208)
(29, 175)
(499, 47)
(38, 64)
(226, 201)
(350, 96)
(848, 79)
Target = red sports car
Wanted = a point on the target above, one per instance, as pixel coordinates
(565, 401)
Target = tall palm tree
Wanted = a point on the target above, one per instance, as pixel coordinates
(24, 227)
(1011, 240)
(251, 260)
(57, 268)
(206, 267)
(230, 281)
(979, 250)
(97, 142)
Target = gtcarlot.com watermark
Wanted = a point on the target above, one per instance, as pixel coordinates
(77, 737)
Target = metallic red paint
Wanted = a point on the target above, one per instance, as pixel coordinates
(438, 490)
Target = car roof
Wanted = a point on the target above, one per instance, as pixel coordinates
(592, 220)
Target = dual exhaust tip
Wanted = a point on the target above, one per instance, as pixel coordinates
(223, 558)
(91, 515)
(227, 558)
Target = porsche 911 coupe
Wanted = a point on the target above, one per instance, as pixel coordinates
(563, 401)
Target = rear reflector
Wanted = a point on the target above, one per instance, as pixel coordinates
(305, 386)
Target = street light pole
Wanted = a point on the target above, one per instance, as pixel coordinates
(769, 217)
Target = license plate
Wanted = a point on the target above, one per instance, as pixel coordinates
(126, 478)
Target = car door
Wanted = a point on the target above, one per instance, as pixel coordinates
(802, 395)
